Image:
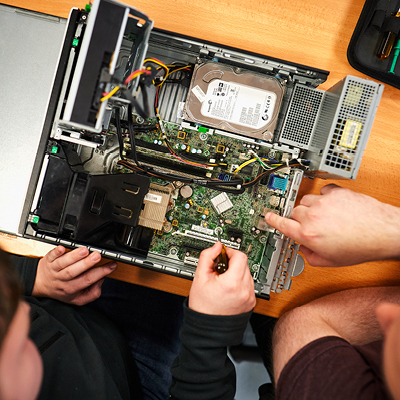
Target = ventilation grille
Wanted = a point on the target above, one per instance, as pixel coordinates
(302, 113)
(171, 100)
(352, 117)
(324, 123)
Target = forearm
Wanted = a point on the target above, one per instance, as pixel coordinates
(391, 235)
(26, 269)
(203, 370)
(349, 314)
(202, 374)
(342, 227)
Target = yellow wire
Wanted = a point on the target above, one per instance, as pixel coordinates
(135, 75)
(244, 164)
(251, 161)
(170, 73)
(156, 62)
(108, 95)
(115, 90)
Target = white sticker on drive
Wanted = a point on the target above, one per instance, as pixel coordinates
(239, 104)
(201, 96)
(179, 112)
(153, 198)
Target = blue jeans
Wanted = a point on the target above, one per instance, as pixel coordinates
(150, 320)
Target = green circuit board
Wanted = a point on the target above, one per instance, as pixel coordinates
(192, 221)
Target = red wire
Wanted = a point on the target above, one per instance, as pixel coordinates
(187, 162)
(143, 71)
(156, 102)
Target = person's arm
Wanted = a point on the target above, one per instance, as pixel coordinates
(219, 307)
(72, 277)
(349, 314)
(25, 267)
(203, 370)
(342, 227)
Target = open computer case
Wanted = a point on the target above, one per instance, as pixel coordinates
(149, 146)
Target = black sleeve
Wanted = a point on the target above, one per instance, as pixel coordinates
(26, 268)
(203, 369)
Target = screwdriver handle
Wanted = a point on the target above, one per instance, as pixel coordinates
(222, 262)
(386, 45)
(396, 51)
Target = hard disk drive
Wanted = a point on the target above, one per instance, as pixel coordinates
(234, 99)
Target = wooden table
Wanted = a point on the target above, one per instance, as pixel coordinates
(310, 32)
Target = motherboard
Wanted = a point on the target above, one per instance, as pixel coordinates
(196, 216)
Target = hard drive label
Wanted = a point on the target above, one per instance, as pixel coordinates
(201, 96)
(238, 104)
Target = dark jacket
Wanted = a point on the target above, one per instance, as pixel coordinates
(203, 369)
(84, 354)
(86, 357)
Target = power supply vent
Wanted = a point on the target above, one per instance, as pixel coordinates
(302, 113)
(352, 117)
(324, 122)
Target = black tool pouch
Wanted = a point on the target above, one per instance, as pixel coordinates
(376, 20)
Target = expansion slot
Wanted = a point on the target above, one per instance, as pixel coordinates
(191, 261)
(207, 238)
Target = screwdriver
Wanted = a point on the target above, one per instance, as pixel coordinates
(388, 41)
(222, 260)
(396, 53)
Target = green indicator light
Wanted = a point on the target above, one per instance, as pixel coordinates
(75, 42)
(54, 149)
(202, 129)
(35, 220)
(88, 7)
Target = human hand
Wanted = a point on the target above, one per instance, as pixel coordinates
(71, 277)
(230, 293)
(342, 227)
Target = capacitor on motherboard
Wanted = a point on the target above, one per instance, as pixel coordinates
(186, 191)
(167, 226)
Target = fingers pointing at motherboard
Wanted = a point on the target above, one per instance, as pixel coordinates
(230, 293)
(341, 227)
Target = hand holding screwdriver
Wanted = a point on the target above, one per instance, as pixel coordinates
(231, 293)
